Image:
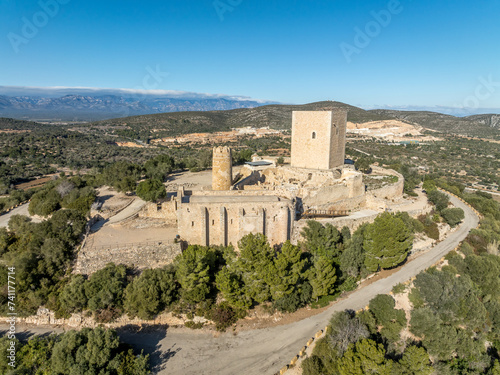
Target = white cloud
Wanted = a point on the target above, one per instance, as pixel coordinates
(62, 90)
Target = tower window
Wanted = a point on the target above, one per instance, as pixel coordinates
(313, 135)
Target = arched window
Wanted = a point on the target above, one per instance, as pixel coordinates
(314, 135)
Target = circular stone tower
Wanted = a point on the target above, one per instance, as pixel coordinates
(222, 169)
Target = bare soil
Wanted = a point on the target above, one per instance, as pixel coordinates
(34, 183)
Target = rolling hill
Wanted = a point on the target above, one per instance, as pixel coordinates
(280, 117)
(275, 116)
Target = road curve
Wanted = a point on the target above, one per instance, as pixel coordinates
(265, 351)
(21, 210)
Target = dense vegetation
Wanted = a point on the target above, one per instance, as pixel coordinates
(454, 322)
(280, 117)
(464, 161)
(39, 150)
(41, 254)
(46, 150)
(70, 193)
(454, 319)
(13, 198)
(96, 351)
(328, 262)
(487, 236)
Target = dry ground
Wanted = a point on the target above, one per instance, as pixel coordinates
(193, 180)
(117, 228)
(35, 183)
(266, 350)
(390, 130)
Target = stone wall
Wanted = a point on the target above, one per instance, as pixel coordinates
(224, 220)
(346, 193)
(140, 256)
(222, 171)
(164, 210)
(337, 146)
(392, 191)
(45, 317)
(318, 139)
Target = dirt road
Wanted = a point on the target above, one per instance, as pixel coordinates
(21, 210)
(265, 351)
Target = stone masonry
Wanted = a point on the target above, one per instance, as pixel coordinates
(267, 201)
(318, 139)
(224, 220)
(222, 170)
(139, 256)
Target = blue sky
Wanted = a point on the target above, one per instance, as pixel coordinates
(428, 53)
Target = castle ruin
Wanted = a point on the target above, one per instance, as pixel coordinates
(222, 168)
(318, 139)
(270, 200)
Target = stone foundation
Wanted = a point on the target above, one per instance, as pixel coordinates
(138, 256)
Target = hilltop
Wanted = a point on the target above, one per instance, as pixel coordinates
(7, 124)
(275, 116)
(280, 117)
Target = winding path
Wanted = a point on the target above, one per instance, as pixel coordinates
(21, 210)
(265, 351)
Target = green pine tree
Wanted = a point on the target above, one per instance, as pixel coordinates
(322, 276)
(387, 242)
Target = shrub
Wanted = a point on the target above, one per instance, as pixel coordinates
(193, 325)
(151, 292)
(345, 329)
(312, 366)
(439, 199)
(107, 315)
(348, 284)
(223, 316)
(288, 303)
(430, 227)
(72, 297)
(453, 216)
(399, 288)
(105, 288)
(151, 190)
(97, 349)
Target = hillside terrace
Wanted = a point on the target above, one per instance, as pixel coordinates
(221, 137)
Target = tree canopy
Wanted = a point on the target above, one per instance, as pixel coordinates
(387, 242)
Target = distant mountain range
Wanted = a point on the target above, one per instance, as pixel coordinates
(179, 112)
(92, 108)
(92, 104)
(87, 104)
(276, 116)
